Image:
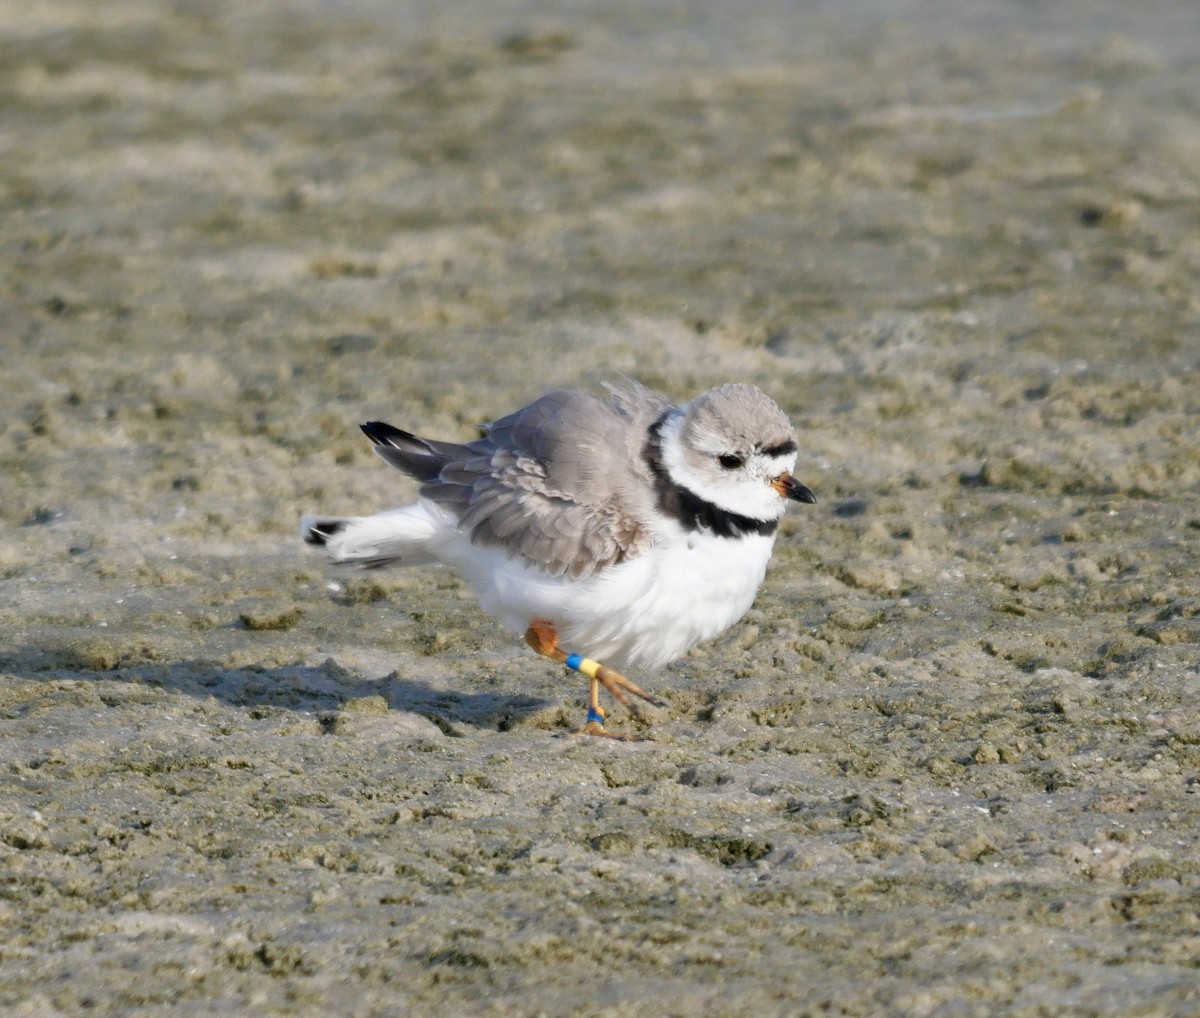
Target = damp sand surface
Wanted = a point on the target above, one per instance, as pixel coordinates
(948, 763)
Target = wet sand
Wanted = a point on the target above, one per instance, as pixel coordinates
(947, 765)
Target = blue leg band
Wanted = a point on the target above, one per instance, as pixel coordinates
(595, 716)
(573, 661)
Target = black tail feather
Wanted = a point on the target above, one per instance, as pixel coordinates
(320, 531)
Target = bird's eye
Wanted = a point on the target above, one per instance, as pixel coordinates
(730, 461)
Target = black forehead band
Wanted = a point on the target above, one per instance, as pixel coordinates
(782, 449)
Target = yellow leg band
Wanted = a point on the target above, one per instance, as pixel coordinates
(583, 664)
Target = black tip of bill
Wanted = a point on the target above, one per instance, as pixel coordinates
(789, 487)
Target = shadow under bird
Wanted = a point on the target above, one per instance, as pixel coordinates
(628, 528)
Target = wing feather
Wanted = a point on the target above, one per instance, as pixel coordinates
(560, 483)
(553, 483)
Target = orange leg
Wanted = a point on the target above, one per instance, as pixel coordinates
(542, 637)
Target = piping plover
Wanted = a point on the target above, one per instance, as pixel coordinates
(632, 529)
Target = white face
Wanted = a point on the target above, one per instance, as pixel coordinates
(736, 480)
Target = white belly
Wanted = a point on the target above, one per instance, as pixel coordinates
(641, 614)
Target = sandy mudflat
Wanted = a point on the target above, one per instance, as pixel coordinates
(950, 763)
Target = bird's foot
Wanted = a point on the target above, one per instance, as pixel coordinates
(595, 726)
(543, 638)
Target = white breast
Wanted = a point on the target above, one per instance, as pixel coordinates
(641, 614)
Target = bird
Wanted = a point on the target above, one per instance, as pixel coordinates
(626, 528)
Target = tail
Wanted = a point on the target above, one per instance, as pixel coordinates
(398, 537)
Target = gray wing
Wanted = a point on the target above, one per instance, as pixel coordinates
(560, 483)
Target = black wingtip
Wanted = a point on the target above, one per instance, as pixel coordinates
(383, 434)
